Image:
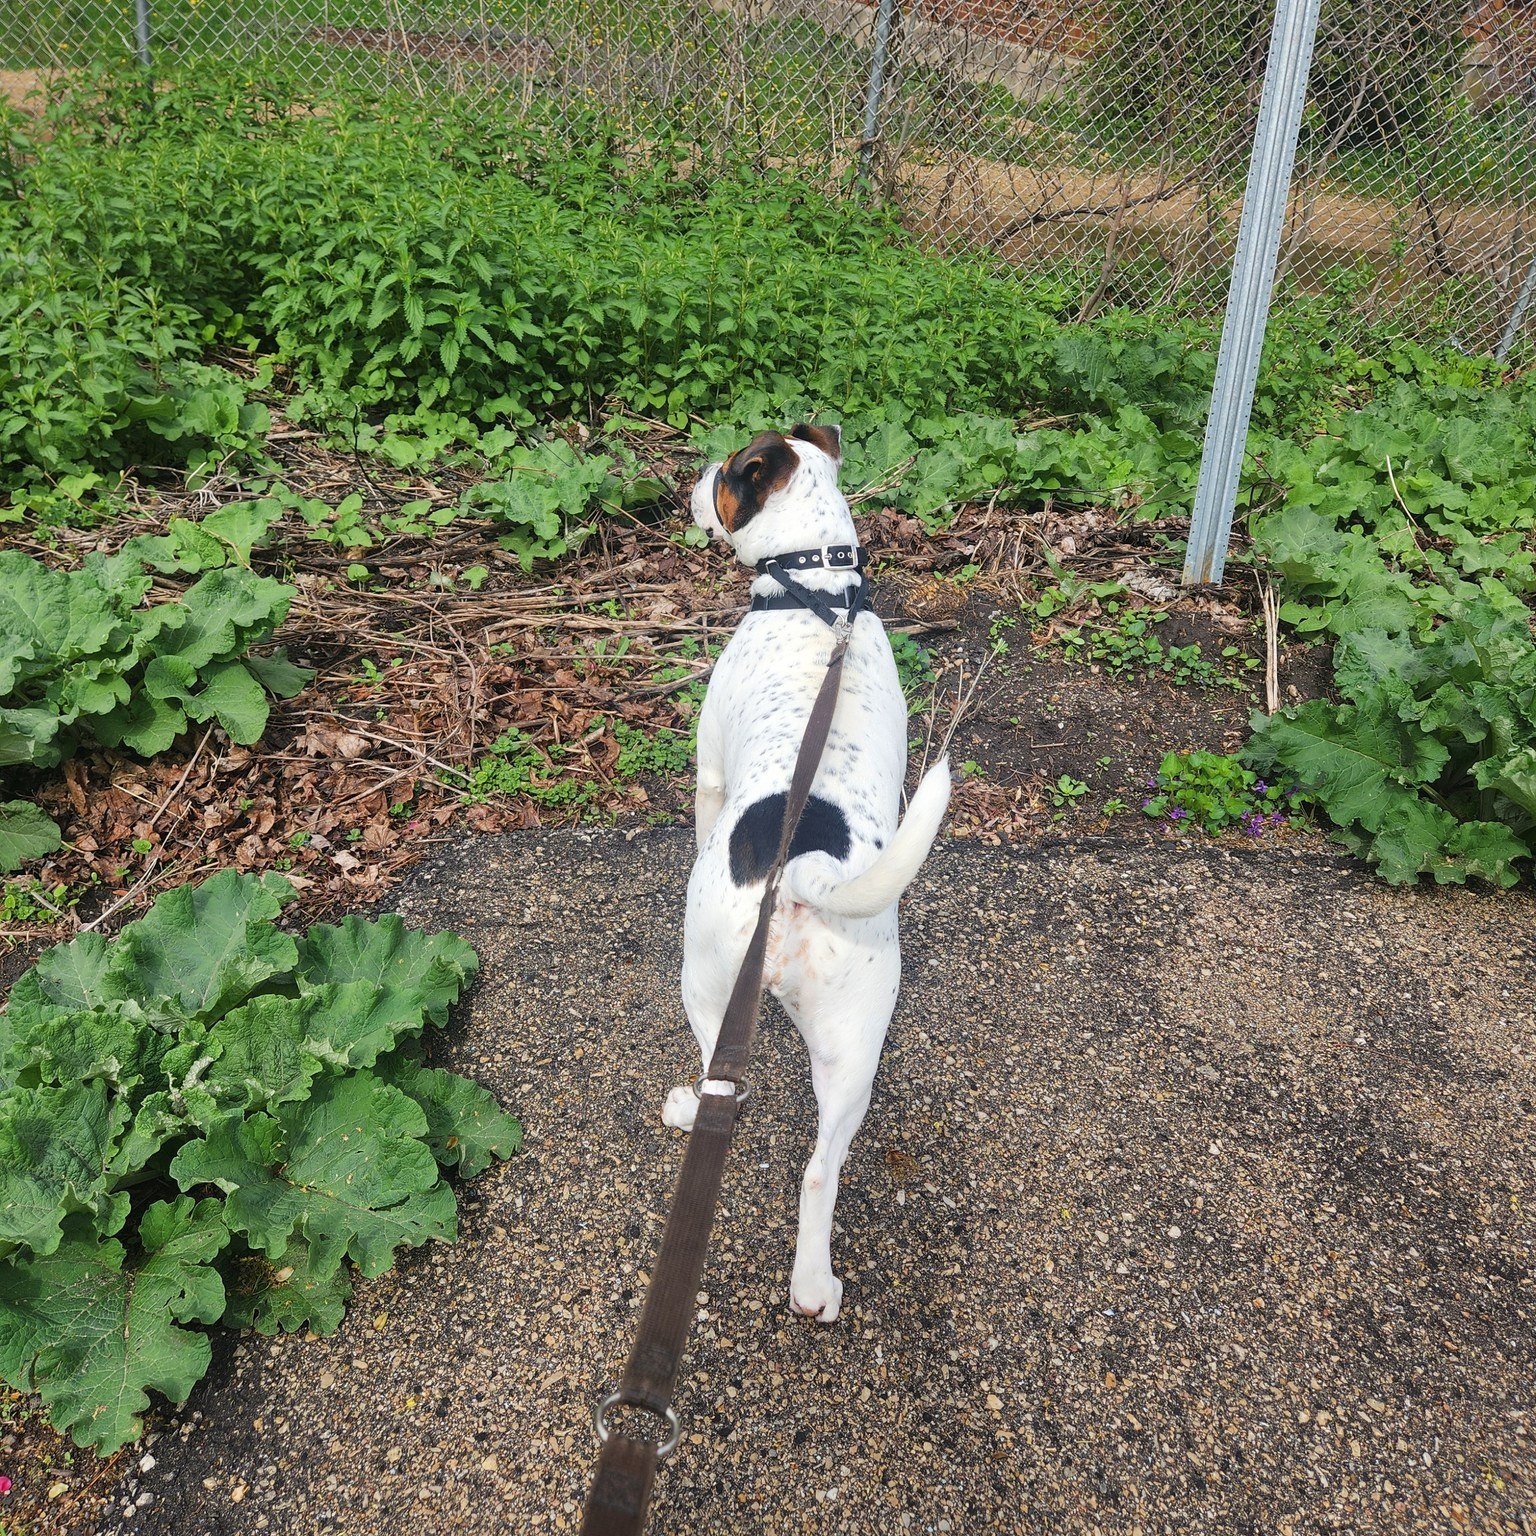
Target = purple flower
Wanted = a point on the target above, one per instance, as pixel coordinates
(1178, 813)
(1260, 787)
(1277, 818)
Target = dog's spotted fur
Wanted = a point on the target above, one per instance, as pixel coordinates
(834, 960)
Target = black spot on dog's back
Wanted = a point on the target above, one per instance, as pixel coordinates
(755, 837)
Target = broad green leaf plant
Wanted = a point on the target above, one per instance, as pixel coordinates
(80, 660)
(1404, 537)
(209, 1119)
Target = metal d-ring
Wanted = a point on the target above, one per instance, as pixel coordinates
(669, 1413)
(741, 1092)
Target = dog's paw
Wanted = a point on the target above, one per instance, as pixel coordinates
(819, 1296)
(681, 1109)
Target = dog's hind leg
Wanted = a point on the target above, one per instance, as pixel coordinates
(845, 1053)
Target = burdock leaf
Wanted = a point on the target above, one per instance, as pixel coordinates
(419, 973)
(30, 735)
(466, 1127)
(147, 725)
(277, 674)
(1356, 760)
(227, 693)
(26, 832)
(203, 949)
(1513, 775)
(353, 1024)
(55, 1147)
(66, 978)
(345, 1170)
(258, 1058)
(92, 1334)
(155, 1121)
(113, 1044)
(221, 614)
(49, 618)
(286, 1294)
(1486, 849)
(1408, 838)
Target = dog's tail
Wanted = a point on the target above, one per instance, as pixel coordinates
(815, 880)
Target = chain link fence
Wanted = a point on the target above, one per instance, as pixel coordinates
(1102, 143)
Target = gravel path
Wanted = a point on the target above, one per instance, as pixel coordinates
(1197, 1196)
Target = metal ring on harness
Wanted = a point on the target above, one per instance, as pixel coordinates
(740, 1091)
(669, 1413)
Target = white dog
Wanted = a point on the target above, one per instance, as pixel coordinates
(833, 958)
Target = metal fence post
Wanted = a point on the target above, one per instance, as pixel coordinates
(1253, 282)
(1517, 314)
(141, 31)
(876, 85)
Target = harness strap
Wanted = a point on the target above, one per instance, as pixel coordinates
(823, 604)
(621, 1488)
(782, 602)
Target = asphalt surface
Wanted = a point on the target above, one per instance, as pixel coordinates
(1197, 1196)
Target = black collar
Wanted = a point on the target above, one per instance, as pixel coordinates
(826, 557)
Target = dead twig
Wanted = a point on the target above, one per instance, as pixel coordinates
(197, 752)
(1271, 646)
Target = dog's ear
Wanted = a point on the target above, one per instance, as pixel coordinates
(828, 438)
(750, 476)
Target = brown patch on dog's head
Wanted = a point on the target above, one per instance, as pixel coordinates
(750, 476)
(828, 438)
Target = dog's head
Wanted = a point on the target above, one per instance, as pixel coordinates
(778, 493)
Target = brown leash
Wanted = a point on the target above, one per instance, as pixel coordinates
(621, 1488)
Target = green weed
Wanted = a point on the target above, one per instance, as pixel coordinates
(1130, 647)
(516, 765)
(1215, 792)
(660, 752)
(914, 667)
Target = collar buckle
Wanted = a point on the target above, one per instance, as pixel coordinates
(824, 557)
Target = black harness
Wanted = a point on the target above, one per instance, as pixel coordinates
(832, 608)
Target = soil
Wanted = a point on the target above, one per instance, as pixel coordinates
(1177, 1210)
(1038, 715)
(1024, 210)
(492, 45)
(24, 88)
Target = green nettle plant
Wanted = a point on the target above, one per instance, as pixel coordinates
(208, 1119)
(79, 659)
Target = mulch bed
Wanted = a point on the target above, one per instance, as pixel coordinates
(417, 679)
